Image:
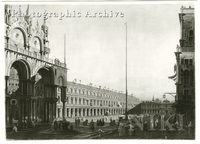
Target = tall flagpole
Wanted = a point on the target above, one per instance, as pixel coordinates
(126, 75)
(65, 49)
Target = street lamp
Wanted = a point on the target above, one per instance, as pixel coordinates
(170, 93)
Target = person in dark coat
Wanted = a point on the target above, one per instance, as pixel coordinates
(71, 127)
(92, 125)
(78, 122)
(145, 129)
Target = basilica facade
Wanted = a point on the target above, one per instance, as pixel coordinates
(32, 79)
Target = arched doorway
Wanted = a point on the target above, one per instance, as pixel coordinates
(45, 94)
(18, 92)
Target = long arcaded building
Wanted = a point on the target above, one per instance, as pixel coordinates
(88, 100)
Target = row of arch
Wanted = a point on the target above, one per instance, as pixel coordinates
(24, 89)
(91, 102)
(85, 112)
(90, 92)
(23, 66)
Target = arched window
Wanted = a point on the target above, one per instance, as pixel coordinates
(80, 101)
(191, 77)
(75, 100)
(71, 100)
(17, 38)
(60, 81)
(36, 43)
(186, 76)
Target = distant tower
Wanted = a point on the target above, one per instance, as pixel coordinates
(153, 98)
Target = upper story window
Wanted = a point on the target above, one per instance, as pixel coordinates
(80, 101)
(186, 76)
(191, 38)
(71, 100)
(75, 100)
(187, 61)
(186, 92)
(17, 37)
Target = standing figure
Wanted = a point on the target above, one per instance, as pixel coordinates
(71, 127)
(145, 129)
(78, 122)
(190, 129)
(92, 125)
(152, 124)
(131, 129)
(120, 129)
(156, 123)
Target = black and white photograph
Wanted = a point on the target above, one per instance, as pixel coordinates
(99, 71)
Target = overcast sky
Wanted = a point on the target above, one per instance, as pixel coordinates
(96, 46)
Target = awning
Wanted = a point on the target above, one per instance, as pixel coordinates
(173, 77)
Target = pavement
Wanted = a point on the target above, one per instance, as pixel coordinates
(83, 132)
(44, 131)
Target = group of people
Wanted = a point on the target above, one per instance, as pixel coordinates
(77, 122)
(100, 122)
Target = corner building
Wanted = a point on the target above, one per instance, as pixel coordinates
(184, 68)
(31, 77)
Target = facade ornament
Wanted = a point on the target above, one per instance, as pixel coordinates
(7, 31)
(8, 14)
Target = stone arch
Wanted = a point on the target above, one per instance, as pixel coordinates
(26, 65)
(47, 68)
(38, 68)
(33, 40)
(17, 87)
(22, 30)
(63, 78)
(60, 80)
(24, 61)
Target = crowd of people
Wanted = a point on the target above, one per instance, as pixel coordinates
(124, 128)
